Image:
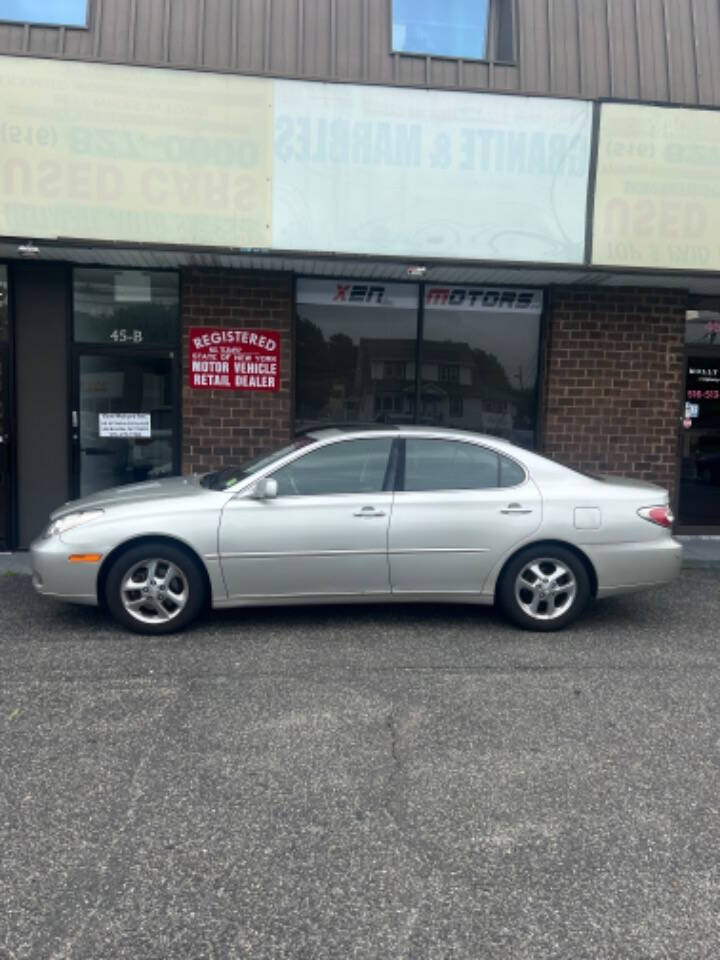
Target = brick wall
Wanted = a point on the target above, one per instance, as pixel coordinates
(614, 374)
(224, 426)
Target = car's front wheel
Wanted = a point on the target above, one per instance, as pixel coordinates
(155, 588)
(544, 588)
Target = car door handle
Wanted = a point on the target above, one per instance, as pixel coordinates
(516, 508)
(369, 512)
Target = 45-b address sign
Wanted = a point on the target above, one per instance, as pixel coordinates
(122, 335)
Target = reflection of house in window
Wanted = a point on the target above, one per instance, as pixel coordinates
(449, 372)
(453, 389)
(394, 370)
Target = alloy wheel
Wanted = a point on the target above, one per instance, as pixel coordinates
(545, 588)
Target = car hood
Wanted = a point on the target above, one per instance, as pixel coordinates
(133, 493)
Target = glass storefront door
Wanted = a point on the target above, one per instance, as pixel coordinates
(125, 430)
(125, 416)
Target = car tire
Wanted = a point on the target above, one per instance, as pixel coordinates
(155, 588)
(544, 588)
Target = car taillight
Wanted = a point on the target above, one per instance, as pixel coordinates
(662, 516)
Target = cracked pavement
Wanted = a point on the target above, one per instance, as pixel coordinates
(362, 782)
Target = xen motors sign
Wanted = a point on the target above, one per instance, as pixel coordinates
(483, 298)
(346, 293)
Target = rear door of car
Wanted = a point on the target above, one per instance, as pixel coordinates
(459, 508)
(325, 534)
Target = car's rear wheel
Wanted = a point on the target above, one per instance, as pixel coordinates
(544, 588)
(155, 588)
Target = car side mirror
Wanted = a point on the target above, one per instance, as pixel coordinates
(265, 489)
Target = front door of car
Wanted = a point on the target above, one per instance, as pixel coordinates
(324, 534)
(460, 508)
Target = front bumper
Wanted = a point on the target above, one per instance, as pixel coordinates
(54, 576)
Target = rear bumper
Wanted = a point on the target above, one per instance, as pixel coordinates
(627, 567)
(54, 576)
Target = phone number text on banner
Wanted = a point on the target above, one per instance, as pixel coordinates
(228, 359)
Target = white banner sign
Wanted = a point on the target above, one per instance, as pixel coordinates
(124, 425)
(392, 171)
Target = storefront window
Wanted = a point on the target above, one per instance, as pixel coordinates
(702, 327)
(4, 313)
(355, 345)
(357, 350)
(480, 361)
(125, 307)
(699, 504)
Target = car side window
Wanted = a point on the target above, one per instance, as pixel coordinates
(350, 466)
(456, 465)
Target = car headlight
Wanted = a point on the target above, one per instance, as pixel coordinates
(70, 520)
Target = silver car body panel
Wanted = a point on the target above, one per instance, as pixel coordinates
(402, 546)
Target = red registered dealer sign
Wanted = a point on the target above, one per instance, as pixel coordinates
(226, 359)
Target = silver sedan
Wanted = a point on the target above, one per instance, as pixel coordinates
(341, 516)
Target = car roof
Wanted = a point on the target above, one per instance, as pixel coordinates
(336, 431)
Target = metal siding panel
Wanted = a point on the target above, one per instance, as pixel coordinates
(350, 35)
(80, 43)
(594, 66)
(318, 36)
(506, 78)
(11, 38)
(149, 30)
(379, 43)
(43, 40)
(114, 25)
(218, 47)
(412, 70)
(707, 25)
(533, 32)
(683, 80)
(624, 67)
(184, 27)
(563, 16)
(475, 76)
(283, 39)
(251, 21)
(443, 73)
(653, 59)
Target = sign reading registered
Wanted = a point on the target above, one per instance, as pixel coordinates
(227, 359)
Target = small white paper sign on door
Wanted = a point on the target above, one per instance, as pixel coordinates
(124, 425)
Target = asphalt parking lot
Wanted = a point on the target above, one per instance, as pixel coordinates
(366, 782)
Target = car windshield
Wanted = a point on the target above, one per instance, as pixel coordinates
(229, 476)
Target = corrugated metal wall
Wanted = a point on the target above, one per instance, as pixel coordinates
(651, 50)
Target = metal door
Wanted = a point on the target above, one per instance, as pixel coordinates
(124, 419)
(446, 541)
(324, 535)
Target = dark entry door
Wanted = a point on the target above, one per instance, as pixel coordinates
(125, 426)
(699, 505)
(4, 449)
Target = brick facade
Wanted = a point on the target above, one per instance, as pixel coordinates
(223, 426)
(613, 384)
